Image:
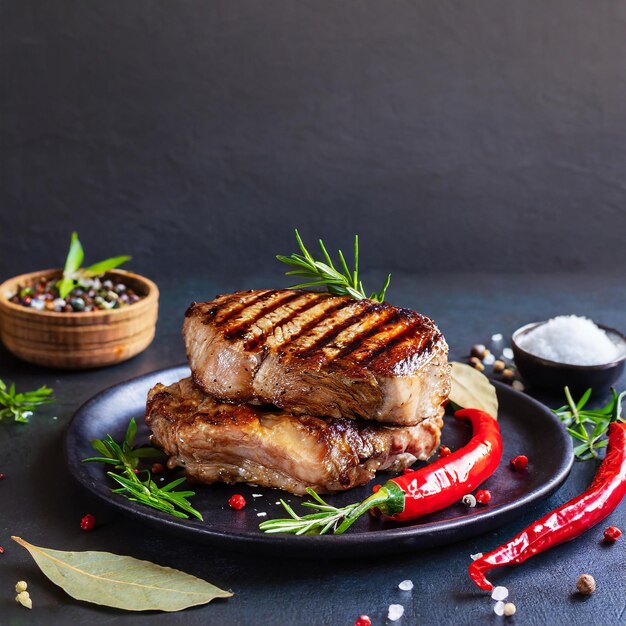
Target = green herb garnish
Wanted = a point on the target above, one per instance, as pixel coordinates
(338, 281)
(126, 458)
(20, 406)
(589, 426)
(328, 518)
(73, 273)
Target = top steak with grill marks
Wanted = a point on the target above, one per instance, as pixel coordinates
(318, 354)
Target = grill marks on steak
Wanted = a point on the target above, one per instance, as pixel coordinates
(219, 442)
(315, 353)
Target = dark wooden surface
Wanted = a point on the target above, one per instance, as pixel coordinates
(40, 502)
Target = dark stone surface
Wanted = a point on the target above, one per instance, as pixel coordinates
(495, 129)
(39, 501)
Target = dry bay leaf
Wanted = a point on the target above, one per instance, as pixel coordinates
(122, 582)
(472, 390)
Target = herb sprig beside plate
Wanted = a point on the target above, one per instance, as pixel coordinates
(125, 459)
(589, 426)
(20, 406)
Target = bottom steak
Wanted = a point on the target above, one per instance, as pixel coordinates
(218, 442)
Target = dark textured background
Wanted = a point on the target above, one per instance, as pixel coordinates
(195, 135)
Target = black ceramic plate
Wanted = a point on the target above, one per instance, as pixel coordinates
(527, 428)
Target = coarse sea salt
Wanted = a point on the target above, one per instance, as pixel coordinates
(500, 593)
(571, 339)
(406, 585)
(396, 611)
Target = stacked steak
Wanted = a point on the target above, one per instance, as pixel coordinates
(295, 389)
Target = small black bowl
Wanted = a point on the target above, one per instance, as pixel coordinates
(553, 376)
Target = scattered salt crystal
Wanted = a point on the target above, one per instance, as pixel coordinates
(261, 514)
(257, 495)
(518, 385)
(507, 353)
(498, 608)
(497, 337)
(476, 556)
(277, 502)
(572, 340)
(489, 359)
(406, 585)
(396, 611)
(500, 593)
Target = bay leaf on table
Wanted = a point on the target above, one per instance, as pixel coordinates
(472, 390)
(122, 582)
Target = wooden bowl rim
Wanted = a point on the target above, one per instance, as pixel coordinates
(150, 299)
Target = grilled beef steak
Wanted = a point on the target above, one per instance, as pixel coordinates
(219, 442)
(317, 354)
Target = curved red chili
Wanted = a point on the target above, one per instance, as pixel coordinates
(448, 479)
(569, 521)
(441, 483)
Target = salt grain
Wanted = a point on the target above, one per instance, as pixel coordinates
(497, 337)
(572, 340)
(500, 593)
(498, 608)
(406, 585)
(490, 359)
(396, 611)
(507, 353)
(257, 495)
(261, 514)
(476, 556)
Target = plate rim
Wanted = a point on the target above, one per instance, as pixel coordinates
(310, 543)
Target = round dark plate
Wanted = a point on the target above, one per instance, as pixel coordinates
(527, 428)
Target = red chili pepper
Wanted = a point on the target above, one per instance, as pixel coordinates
(363, 620)
(88, 522)
(443, 482)
(568, 521)
(612, 534)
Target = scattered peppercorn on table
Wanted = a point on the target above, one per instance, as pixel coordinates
(580, 582)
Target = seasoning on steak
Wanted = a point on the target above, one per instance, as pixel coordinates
(220, 442)
(317, 354)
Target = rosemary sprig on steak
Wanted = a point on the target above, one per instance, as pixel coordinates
(340, 281)
(125, 459)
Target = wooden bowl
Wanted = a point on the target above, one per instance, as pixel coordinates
(78, 340)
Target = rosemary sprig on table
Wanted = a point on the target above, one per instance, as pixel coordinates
(327, 518)
(73, 273)
(125, 459)
(340, 281)
(589, 425)
(20, 406)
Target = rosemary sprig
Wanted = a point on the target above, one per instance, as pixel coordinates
(73, 273)
(340, 281)
(327, 517)
(20, 406)
(125, 459)
(589, 426)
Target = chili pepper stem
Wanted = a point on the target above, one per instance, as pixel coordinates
(389, 498)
